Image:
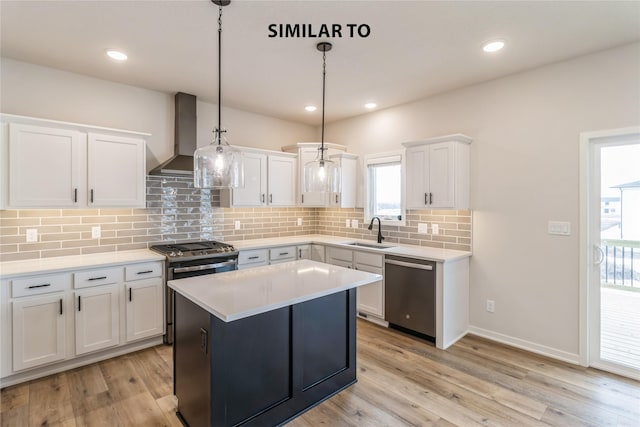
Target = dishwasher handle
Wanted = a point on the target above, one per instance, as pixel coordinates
(409, 264)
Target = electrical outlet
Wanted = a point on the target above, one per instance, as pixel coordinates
(95, 232)
(32, 235)
(491, 305)
(299, 221)
(236, 225)
(435, 229)
(354, 223)
(422, 228)
(347, 223)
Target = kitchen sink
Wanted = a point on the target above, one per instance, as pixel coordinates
(369, 245)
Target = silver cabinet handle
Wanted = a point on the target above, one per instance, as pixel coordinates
(91, 197)
(284, 253)
(130, 295)
(145, 272)
(60, 306)
(254, 257)
(336, 198)
(270, 198)
(430, 198)
(75, 195)
(79, 303)
(299, 253)
(97, 278)
(409, 265)
(262, 197)
(426, 200)
(302, 198)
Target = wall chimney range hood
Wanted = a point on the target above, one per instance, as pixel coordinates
(185, 144)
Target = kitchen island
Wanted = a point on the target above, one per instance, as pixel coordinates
(261, 346)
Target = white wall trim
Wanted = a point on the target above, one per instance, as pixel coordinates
(526, 345)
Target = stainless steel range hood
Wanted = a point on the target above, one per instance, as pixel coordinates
(185, 138)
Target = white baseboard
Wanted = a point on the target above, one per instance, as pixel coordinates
(573, 358)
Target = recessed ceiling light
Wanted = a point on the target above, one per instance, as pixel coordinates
(310, 108)
(370, 105)
(116, 55)
(493, 46)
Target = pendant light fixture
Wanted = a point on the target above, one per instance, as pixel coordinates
(218, 165)
(322, 175)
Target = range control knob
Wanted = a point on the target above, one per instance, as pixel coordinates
(172, 253)
(180, 253)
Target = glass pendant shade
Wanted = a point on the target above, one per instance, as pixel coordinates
(218, 165)
(321, 175)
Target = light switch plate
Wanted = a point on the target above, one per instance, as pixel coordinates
(236, 225)
(435, 229)
(354, 223)
(95, 232)
(32, 235)
(560, 228)
(422, 228)
(347, 223)
(299, 221)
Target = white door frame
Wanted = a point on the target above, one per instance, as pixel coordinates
(587, 139)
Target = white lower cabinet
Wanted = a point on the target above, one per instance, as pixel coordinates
(97, 312)
(253, 258)
(144, 312)
(59, 320)
(370, 299)
(39, 330)
(282, 254)
(317, 253)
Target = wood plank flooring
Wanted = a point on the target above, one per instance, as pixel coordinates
(402, 381)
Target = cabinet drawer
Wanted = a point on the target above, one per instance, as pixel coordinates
(103, 276)
(43, 284)
(367, 258)
(341, 254)
(142, 271)
(282, 253)
(253, 256)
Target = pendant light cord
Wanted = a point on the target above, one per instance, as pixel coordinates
(324, 78)
(219, 130)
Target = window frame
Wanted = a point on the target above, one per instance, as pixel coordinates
(381, 158)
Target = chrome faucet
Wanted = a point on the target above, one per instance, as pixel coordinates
(380, 238)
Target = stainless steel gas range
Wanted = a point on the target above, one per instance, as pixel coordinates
(193, 259)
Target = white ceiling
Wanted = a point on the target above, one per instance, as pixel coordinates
(416, 48)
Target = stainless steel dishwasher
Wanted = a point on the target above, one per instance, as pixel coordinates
(410, 294)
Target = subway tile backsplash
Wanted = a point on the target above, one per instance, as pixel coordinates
(178, 212)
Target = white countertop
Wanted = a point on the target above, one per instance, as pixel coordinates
(238, 294)
(46, 265)
(420, 252)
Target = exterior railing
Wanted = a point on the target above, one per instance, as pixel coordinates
(620, 266)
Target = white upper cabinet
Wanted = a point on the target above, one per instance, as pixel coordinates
(307, 152)
(281, 181)
(269, 180)
(44, 166)
(254, 192)
(346, 198)
(52, 164)
(116, 171)
(437, 173)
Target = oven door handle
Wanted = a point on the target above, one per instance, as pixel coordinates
(203, 267)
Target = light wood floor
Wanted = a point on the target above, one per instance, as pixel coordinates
(401, 381)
